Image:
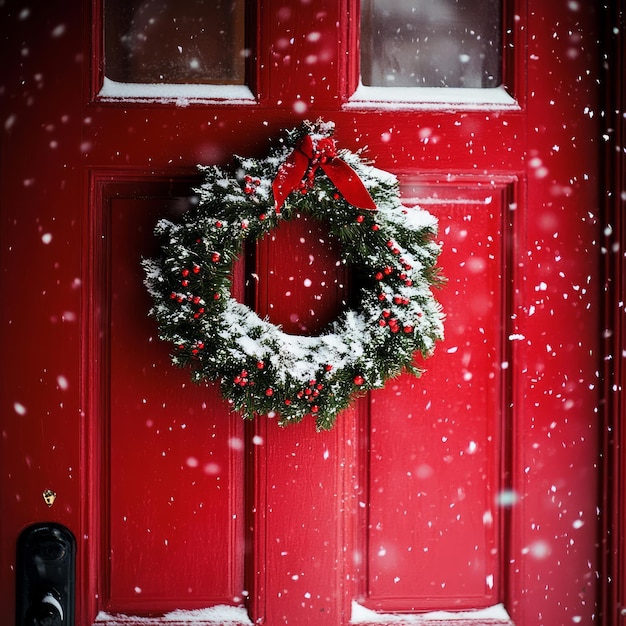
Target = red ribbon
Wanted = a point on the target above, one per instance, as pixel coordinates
(305, 159)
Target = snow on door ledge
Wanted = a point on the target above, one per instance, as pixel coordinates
(237, 616)
(492, 616)
(223, 615)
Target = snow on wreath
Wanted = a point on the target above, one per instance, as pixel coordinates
(261, 369)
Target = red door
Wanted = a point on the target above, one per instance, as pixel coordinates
(473, 487)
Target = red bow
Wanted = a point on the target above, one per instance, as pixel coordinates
(305, 159)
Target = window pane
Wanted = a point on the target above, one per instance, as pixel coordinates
(175, 41)
(431, 43)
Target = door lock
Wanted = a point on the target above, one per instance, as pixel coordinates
(46, 557)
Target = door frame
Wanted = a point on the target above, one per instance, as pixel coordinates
(613, 544)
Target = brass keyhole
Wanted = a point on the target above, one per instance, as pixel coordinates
(49, 496)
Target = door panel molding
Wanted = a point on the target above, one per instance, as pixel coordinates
(490, 205)
(119, 201)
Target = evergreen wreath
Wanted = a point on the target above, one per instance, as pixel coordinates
(261, 369)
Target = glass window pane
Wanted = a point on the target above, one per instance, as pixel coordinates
(175, 41)
(431, 43)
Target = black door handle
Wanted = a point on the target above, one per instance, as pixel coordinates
(46, 555)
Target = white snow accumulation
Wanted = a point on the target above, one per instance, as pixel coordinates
(431, 97)
(494, 615)
(363, 97)
(180, 94)
(223, 615)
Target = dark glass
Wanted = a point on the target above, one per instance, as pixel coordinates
(431, 43)
(175, 41)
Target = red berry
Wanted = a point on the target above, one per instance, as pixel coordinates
(360, 219)
(269, 392)
(218, 224)
(358, 380)
(315, 408)
(184, 283)
(196, 269)
(375, 227)
(287, 402)
(260, 365)
(408, 329)
(378, 276)
(185, 272)
(215, 257)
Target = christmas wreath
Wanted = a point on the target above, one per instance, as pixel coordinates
(261, 369)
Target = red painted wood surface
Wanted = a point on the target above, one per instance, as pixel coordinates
(319, 508)
(174, 455)
(435, 493)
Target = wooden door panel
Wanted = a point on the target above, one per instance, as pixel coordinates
(435, 443)
(173, 450)
(301, 475)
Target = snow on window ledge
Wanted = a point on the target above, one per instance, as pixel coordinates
(492, 616)
(431, 98)
(222, 615)
(171, 93)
